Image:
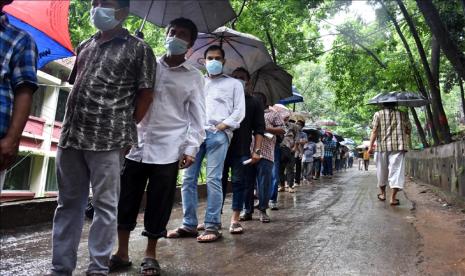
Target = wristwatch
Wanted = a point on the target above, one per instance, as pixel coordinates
(258, 151)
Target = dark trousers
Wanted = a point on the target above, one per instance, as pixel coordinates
(351, 162)
(275, 174)
(298, 169)
(366, 163)
(238, 179)
(316, 167)
(161, 188)
(287, 164)
(328, 165)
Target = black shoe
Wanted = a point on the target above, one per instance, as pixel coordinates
(245, 217)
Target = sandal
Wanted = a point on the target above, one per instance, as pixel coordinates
(182, 232)
(150, 266)
(209, 232)
(117, 263)
(236, 228)
(382, 197)
(395, 202)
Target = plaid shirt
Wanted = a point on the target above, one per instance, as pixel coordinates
(393, 129)
(106, 77)
(330, 148)
(18, 67)
(272, 119)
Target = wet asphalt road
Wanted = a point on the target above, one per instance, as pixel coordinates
(334, 227)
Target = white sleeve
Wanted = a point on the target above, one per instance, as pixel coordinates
(234, 120)
(197, 116)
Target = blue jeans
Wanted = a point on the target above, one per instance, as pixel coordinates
(215, 148)
(259, 177)
(275, 176)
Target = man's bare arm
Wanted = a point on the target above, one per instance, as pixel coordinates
(144, 99)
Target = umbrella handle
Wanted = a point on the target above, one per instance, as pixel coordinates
(139, 33)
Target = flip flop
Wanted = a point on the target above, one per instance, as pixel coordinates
(150, 266)
(116, 263)
(236, 228)
(396, 202)
(217, 235)
(381, 198)
(181, 232)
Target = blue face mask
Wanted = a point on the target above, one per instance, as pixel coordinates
(175, 46)
(104, 18)
(214, 67)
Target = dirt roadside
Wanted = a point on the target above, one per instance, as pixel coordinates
(441, 225)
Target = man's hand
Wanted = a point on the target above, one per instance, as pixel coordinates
(8, 151)
(186, 161)
(221, 126)
(371, 149)
(255, 158)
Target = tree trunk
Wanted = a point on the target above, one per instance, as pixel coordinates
(462, 95)
(435, 63)
(421, 132)
(439, 30)
(433, 122)
(463, 7)
(273, 51)
(434, 89)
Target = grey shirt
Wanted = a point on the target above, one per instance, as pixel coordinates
(106, 77)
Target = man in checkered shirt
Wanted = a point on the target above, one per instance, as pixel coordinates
(18, 80)
(391, 129)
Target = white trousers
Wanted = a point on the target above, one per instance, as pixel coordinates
(390, 169)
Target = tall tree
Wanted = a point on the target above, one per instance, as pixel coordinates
(438, 108)
(439, 30)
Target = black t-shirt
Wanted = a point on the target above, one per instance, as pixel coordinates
(253, 124)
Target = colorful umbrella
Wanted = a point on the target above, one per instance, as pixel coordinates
(47, 22)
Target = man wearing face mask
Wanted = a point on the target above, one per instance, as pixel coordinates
(169, 138)
(113, 81)
(240, 151)
(225, 109)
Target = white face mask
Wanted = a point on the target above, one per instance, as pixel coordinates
(175, 46)
(104, 18)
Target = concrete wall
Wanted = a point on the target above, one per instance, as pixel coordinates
(442, 166)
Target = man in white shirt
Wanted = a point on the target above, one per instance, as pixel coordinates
(225, 109)
(169, 137)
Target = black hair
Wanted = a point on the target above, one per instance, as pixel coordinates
(389, 104)
(123, 3)
(242, 69)
(214, 48)
(184, 23)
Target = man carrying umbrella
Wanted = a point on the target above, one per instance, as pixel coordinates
(391, 129)
(18, 68)
(225, 109)
(169, 138)
(113, 79)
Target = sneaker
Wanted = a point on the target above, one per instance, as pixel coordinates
(264, 217)
(291, 190)
(245, 217)
(274, 206)
(281, 189)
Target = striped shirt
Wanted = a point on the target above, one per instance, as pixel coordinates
(106, 77)
(18, 66)
(393, 130)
